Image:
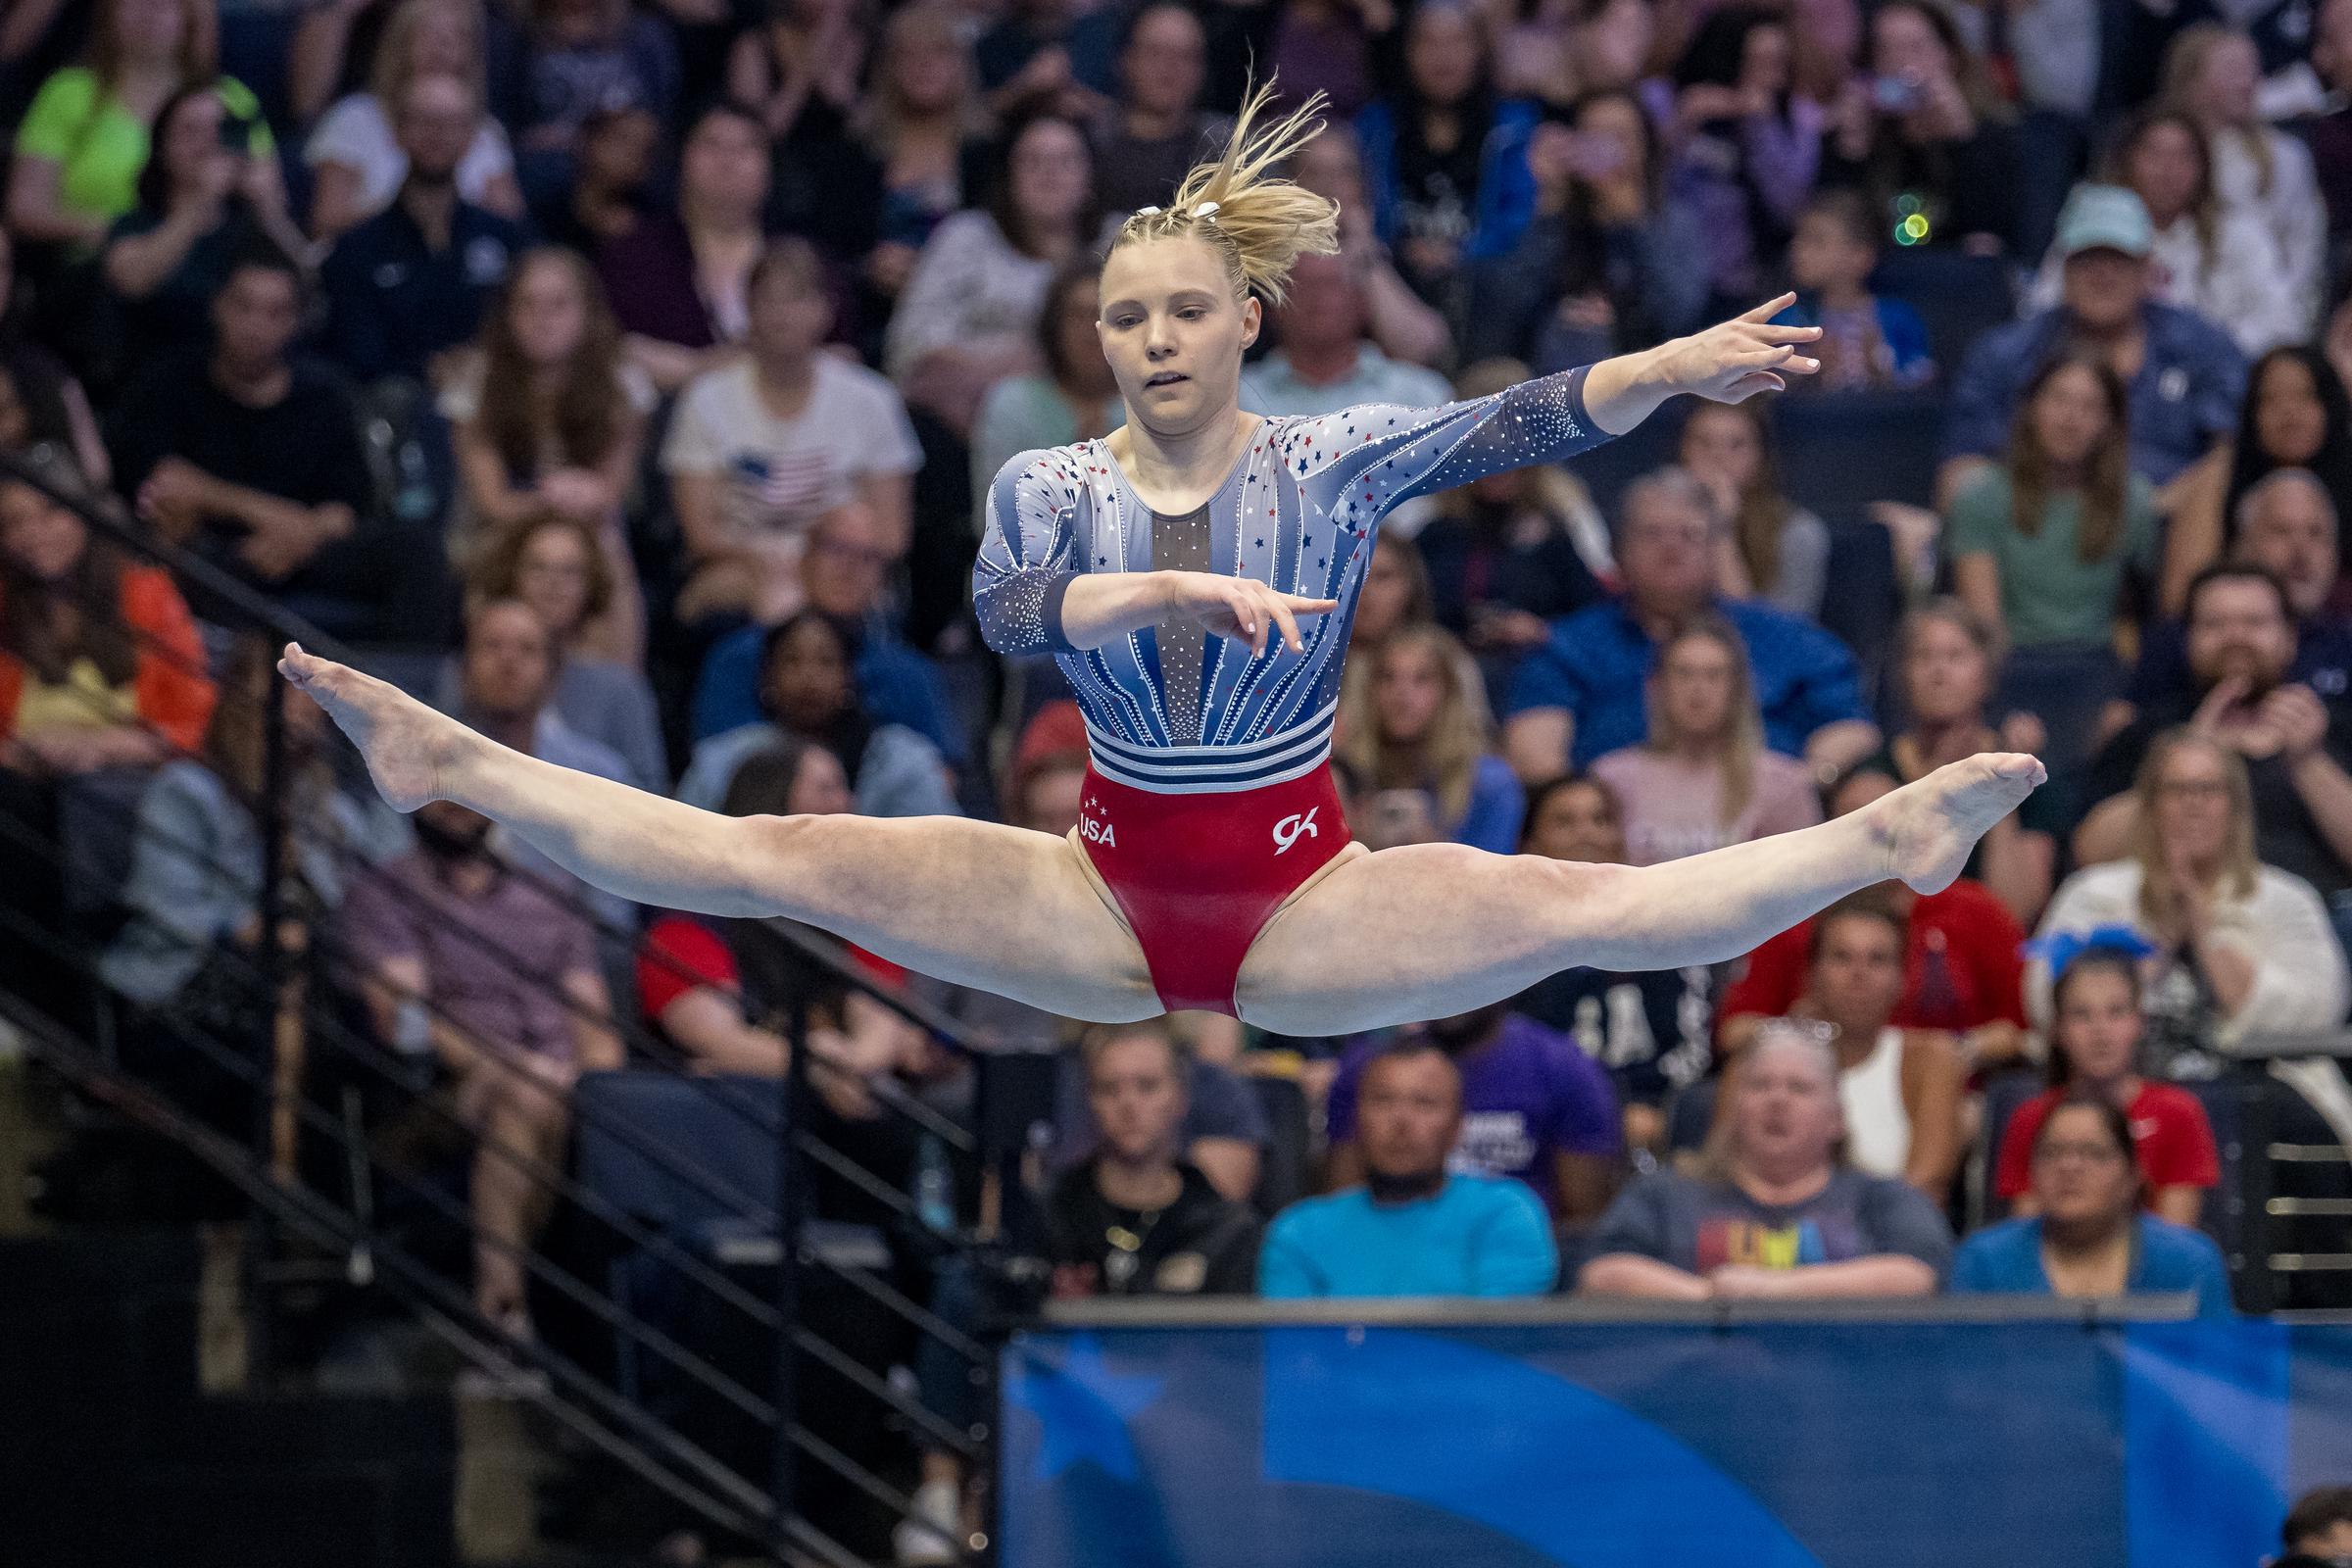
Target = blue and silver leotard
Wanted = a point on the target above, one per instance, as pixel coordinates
(1175, 712)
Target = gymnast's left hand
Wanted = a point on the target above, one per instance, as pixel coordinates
(1743, 357)
(1243, 606)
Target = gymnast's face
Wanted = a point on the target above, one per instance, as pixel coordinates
(1173, 334)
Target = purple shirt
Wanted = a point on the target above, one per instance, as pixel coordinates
(1529, 1093)
(492, 964)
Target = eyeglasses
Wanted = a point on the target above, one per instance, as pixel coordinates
(2054, 1153)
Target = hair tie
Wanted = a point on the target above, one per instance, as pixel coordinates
(1145, 211)
(1205, 210)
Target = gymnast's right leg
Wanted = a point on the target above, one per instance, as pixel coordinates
(974, 903)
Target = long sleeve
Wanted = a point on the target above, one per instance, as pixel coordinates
(1783, 155)
(189, 885)
(951, 268)
(1385, 455)
(174, 697)
(1027, 555)
(2299, 977)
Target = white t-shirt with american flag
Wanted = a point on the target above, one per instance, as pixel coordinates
(777, 475)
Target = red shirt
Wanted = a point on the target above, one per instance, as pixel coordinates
(1963, 970)
(2168, 1126)
(681, 954)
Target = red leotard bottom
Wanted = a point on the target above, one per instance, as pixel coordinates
(1198, 876)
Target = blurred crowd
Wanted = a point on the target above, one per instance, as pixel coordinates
(625, 377)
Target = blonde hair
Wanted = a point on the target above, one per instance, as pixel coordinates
(396, 52)
(1445, 760)
(1257, 223)
(2184, 61)
(2240, 869)
(1744, 724)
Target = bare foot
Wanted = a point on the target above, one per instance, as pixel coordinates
(409, 748)
(1927, 829)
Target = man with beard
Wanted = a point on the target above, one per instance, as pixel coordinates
(1411, 1228)
(2241, 647)
(1535, 1107)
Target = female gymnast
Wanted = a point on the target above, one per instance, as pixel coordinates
(1196, 572)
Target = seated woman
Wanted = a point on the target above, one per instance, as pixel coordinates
(2242, 948)
(1946, 658)
(558, 566)
(1396, 593)
(548, 424)
(2089, 1235)
(1649, 1029)
(1704, 778)
(1746, 145)
(1414, 716)
(1776, 549)
(809, 690)
(51, 406)
(1901, 1088)
(2041, 544)
(2094, 1050)
(1074, 399)
(1777, 1214)
(203, 200)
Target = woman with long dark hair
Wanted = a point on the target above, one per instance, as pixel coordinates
(1075, 399)
(1743, 145)
(1776, 549)
(2296, 414)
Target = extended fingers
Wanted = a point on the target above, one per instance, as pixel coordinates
(1768, 310)
(1290, 627)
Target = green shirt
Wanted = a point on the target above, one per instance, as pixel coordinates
(2050, 593)
(100, 147)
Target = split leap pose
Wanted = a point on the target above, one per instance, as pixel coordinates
(1196, 573)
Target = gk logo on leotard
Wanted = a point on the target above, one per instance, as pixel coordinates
(1293, 827)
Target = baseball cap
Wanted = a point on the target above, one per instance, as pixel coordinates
(2105, 217)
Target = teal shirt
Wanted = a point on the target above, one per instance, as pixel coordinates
(1479, 1236)
(2048, 593)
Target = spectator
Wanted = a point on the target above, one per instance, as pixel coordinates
(1399, 323)
(2096, 1031)
(250, 455)
(2296, 416)
(2223, 266)
(356, 162)
(1411, 1228)
(582, 56)
(2244, 947)
(1945, 659)
(1535, 1108)
(2241, 649)
(2184, 375)
(968, 316)
(413, 283)
(1156, 131)
(1326, 361)
(2330, 134)
(1075, 399)
(1394, 595)
(1649, 1030)
(1776, 549)
(2320, 1524)
(1777, 1214)
(1869, 342)
(809, 690)
(2086, 1234)
(842, 574)
(1745, 146)
(203, 202)
(680, 281)
(1602, 266)
(1962, 970)
(560, 567)
(802, 61)
(1137, 1218)
(83, 142)
(1326, 46)
(1580, 695)
(548, 425)
(2259, 172)
(1414, 717)
(1048, 56)
(1510, 552)
(2041, 545)
(497, 978)
(760, 448)
(1704, 778)
(51, 406)
(921, 124)
(1920, 137)
(606, 199)
(1445, 161)
(1900, 1088)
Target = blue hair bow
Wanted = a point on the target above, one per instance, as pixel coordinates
(2061, 949)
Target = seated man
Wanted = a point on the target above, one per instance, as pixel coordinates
(512, 1006)
(1783, 1218)
(1534, 1109)
(2319, 1529)
(1411, 1228)
(1582, 693)
(249, 454)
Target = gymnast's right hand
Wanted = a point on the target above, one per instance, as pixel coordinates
(1242, 606)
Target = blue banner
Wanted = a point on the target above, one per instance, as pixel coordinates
(1784, 1444)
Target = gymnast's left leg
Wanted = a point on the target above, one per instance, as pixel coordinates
(1431, 930)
